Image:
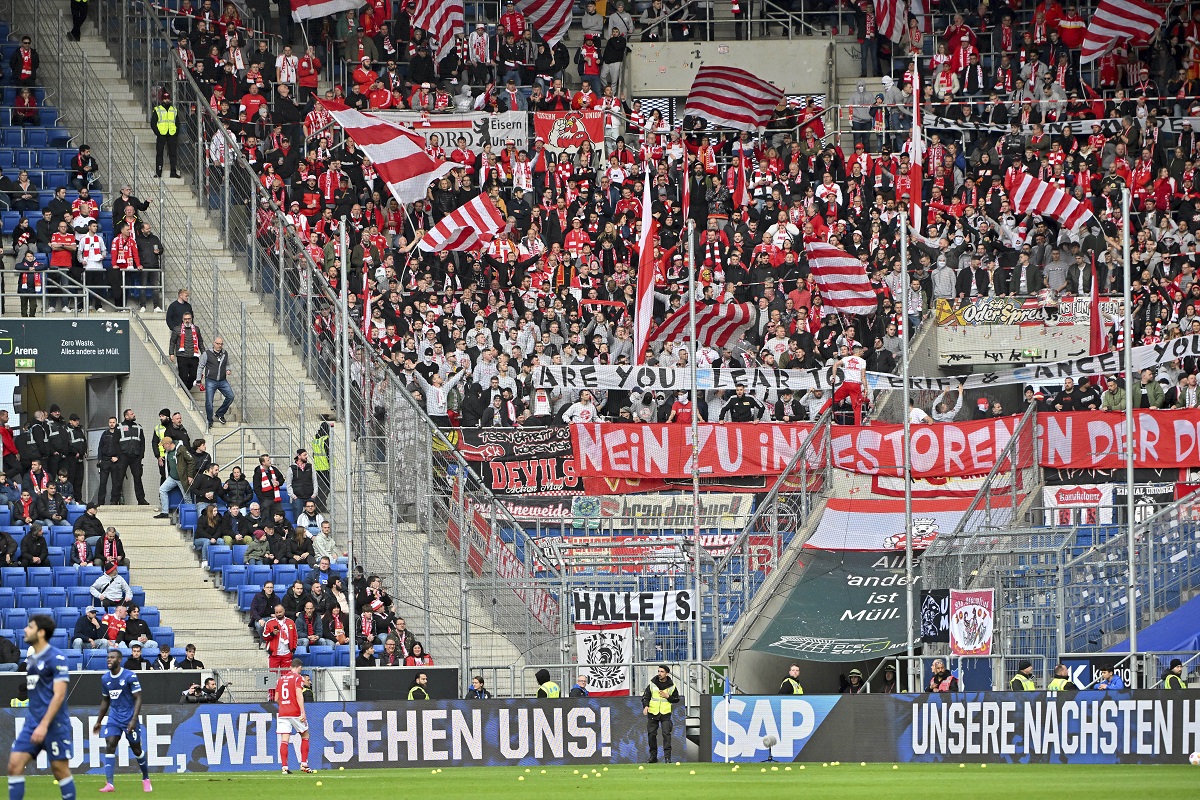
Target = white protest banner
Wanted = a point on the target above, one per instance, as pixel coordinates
(648, 378)
(599, 649)
(633, 606)
(479, 127)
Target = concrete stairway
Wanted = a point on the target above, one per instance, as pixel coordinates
(163, 565)
(261, 330)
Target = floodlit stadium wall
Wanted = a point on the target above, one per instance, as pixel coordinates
(241, 738)
(1120, 727)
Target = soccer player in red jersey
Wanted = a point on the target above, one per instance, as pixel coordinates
(289, 693)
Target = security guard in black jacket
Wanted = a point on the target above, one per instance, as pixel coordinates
(76, 454)
(132, 444)
(57, 440)
(31, 446)
(108, 460)
(742, 407)
(1173, 678)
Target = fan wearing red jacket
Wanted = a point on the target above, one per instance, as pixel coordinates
(292, 718)
(280, 637)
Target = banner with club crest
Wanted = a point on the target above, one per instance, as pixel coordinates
(972, 622)
(599, 648)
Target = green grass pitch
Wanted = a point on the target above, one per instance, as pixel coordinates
(671, 782)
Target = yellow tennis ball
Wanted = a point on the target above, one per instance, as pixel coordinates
(585, 777)
(520, 777)
(983, 766)
(606, 769)
(962, 766)
(826, 764)
(801, 766)
(639, 767)
(543, 772)
(895, 767)
(576, 772)
(863, 764)
(764, 769)
(693, 772)
(527, 770)
(787, 769)
(320, 784)
(341, 769)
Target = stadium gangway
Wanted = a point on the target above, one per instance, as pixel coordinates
(238, 441)
(60, 289)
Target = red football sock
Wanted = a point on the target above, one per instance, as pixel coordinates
(304, 751)
(283, 753)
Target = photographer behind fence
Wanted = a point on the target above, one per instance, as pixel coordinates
(208, 693)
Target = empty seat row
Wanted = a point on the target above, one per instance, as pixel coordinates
(234, 576)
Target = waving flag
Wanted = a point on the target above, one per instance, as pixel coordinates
(1097, 332)
(841, 278)
(397, 154)
(716, 325)
(1032, 196)
(643, 313)
(729, 97)
(442, 19)
(315, 9)
(891, 16)
(916, 156)
(1117, 20)
(470, 224)
(549, 19)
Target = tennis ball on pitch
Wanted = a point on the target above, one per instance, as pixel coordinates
(639, 767)
(341, 769)
(543, 772)
(894, 766)
(801, 766)
(787, 769)
(520, 777)
(585, 777)
(983, 766)
(863, 764)
(764, 769)
(433, 772)
(577, 771)
(962, 766)
(826, 764)
(527, 770)
(693, 772)
(606, 769)
(320, 784)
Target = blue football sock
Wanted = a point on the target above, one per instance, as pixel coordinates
(16, 787)
(67, 787)
(110, 766)
(144, 763)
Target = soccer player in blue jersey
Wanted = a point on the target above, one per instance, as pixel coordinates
(121, 699)
(47, 726)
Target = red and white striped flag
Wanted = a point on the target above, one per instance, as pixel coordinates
(549, 19)
(472, 223)
(398, 155)
(916, 156)
(643, 312)
(729, 97)
(891, 18)
(841, 278)
(1032, 196)
(716, 325)
(315, 9)
(1116, 20)
(441, 19)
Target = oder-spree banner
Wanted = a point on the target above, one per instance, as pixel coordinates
(673, 378)
(242, 738)
(1067, 440)
(1093, 727)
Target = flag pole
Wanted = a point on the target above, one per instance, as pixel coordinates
(1131, 597)
(698, 604)
(909, 605)
(345, 309)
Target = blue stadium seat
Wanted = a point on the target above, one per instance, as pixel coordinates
(163, 636)
(219, 555)
(74, 659)
(151, 616)
(124, 573)
(302, 571)
(58, 558)
(15, 618)
(89, 575)
(28, 597)
(139, 595)
(74, 512)
(320, 656)
(66, 577)
(25, 158)
(5, 514)
(7, 598)
(342, 655)
(54, 597)
(49, 159)
(258, 574)
(232, 577)
(12, 577)
(284, 576)
(62, 538)
(12, 139)
(37, 137)
(245, 595)
(187, 515)
(49, 612)
(239, 553)
(40, 576)
(175, 497)
(66, 618)
(79, 596)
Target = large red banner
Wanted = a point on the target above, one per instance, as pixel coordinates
(1074, 440)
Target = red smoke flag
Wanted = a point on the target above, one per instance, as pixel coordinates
(643, 313)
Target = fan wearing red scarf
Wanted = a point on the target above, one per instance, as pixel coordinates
(187, 343)
(268, 487)
(24, 63)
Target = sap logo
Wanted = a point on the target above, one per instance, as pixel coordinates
(739, 728)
